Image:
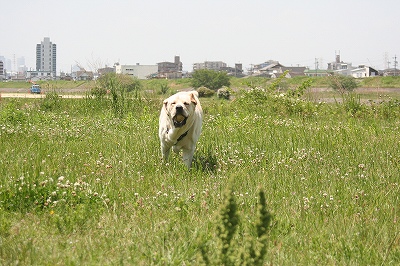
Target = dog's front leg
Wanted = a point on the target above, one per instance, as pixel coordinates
(165, 150)
(187, 156)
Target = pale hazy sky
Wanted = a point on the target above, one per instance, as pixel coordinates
(294, 32)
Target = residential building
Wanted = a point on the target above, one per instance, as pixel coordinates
(170, 70)
(391, 72)
(46, 57)
(170, 66)
(268, 64)
(106, 70)
(21, 66)
(6, 64)
(236, 71)
(267, 69)
(294, 71)
(211, 65)
(82, 74)
(364, 72)
(273, 69)
(340, 67)
(39, 75)
(316, 72)
(137, 71)
(2, 76)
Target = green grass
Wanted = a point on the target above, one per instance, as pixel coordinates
(237, 83)
(81, 187)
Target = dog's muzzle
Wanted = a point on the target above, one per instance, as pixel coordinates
(179, 118)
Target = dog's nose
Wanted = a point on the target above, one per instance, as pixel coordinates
(179, 108)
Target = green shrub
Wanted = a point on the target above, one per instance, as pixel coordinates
(51, 102)
(342, 83)
(224, 93)
(98, 92)
(205, 92)
(11, 113)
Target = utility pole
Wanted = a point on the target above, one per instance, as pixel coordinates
(395, 65)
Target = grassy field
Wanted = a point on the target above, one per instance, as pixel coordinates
(82, 182)
(236, 83)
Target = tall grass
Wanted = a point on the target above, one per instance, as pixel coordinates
(81, 185)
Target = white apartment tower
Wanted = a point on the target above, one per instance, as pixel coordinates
(46, 56)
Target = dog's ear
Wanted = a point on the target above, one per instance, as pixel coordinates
(165, 104)
(193, 98)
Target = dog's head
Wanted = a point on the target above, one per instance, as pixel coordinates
(179, 107)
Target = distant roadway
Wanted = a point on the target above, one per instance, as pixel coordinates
(24, 93)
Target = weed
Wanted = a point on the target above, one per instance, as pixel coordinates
(230, 252)
(164, 88)
(51, 102)
(11, 113)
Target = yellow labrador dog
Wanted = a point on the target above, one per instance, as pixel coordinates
(180, 123)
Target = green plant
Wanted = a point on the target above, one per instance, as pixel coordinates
(229, 219)
(164, 88)
(11, 113)
(224, 93)
(205, 92)
(274, 100)
(230, 252)
(210, 79)
(98, 92)
(352, 104)
(257, 250)
(51, 102)
(342, 83)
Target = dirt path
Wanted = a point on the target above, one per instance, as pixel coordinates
(31, 95)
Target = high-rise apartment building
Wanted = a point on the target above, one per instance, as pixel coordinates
(46, 56)
(1, 70)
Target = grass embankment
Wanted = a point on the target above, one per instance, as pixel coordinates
(236, 83)
(82, 187)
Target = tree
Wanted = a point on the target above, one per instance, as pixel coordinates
(343, 83)
(210, 79)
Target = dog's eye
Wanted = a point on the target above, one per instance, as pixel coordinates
(186, 103)
(173, 103)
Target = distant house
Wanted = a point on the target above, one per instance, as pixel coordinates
(236, 71)
(294, 71)
(169, 70)
(269, 63)
(137, 71)
(84, 75)
(267, 69)
(65, 76)
(211, 65)
(39, 75)
(316, 72)
(273, 69)
(391, 72)
(105, 70)
(364, 72)
(340, 67)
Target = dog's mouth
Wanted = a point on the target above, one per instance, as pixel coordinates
(179, 120)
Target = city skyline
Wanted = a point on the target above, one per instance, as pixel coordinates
(293, 33)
